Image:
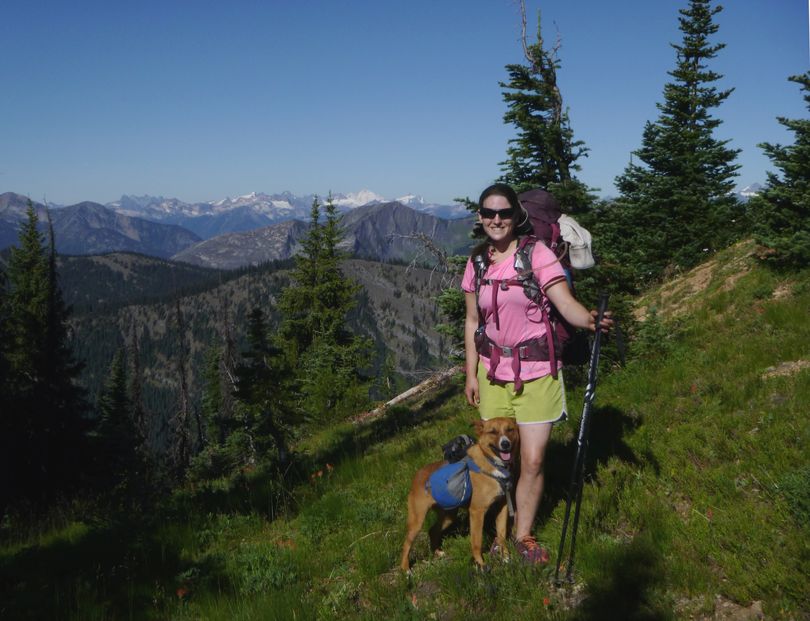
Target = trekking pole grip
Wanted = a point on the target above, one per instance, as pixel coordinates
(601, 308)
(597, 337)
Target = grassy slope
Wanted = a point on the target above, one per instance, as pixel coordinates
(698, 499)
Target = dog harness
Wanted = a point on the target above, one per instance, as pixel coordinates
(451, 487)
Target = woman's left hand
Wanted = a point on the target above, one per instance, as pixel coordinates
(607, 321)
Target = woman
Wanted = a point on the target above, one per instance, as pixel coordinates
(528, 390)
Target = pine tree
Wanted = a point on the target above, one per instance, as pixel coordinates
(117, 436)
(216, 429)
(676, 202)
(298, 301)
(544, 152)
(9, 423)
(135, 387)
(264, 388)
(43, 406)
(781, 213)
(328, 357)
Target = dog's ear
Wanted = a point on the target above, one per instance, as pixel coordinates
(478, 425)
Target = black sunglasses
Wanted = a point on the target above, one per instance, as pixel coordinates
(505, 214)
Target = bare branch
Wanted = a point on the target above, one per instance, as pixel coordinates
(557, 44)
(523, 39)
(428, 247)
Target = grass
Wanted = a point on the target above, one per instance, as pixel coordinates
(697, 494)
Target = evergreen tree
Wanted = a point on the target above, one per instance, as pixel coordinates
(298, 302)
(119, 441)
(544, 152)
(328, 357)
(781, 213)
(216, 428)
(9, 424)
(263, 387)
(43, 407)
(676, 202)
(135, 387)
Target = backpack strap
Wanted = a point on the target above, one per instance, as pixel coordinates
(555, 237)
(524, 268)
(480, 262)
(532, 289)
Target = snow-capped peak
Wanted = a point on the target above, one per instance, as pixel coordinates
(411, 200)
(357, 199)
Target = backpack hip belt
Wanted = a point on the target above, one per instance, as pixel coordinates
(535, 349)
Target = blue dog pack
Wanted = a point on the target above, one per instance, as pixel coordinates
(450, 485)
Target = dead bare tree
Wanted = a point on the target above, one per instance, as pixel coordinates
(426, 248)
(135, 388)
(181, 444)
(228, 360)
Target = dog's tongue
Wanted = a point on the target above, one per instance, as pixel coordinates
(506, 456)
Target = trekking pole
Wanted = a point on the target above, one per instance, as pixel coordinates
(578, 471)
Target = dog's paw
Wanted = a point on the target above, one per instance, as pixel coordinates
(498, 551)
(439, 553)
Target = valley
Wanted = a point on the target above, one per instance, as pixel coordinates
(135, 302)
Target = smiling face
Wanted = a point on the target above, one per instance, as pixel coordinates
(498, 228)
(498, 437)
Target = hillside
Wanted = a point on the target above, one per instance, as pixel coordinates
(118, 295)
(253, 247)
(696, 505)
(97, 282)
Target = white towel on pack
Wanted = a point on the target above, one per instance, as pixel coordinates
(579, 242)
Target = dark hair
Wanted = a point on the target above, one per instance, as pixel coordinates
(523, 226)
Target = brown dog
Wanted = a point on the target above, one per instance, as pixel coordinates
(497, 442)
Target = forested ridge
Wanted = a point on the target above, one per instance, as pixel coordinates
(394, 309)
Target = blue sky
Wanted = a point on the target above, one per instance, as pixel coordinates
(201, 100)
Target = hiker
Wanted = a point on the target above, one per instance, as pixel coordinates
(505, 380)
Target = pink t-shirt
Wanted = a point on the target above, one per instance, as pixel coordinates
(519, 318)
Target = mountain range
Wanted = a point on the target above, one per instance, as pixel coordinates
(256, 210)
(377, 230)
(381, 232)
(91, 228)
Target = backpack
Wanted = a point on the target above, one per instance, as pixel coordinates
(570, 242)
(450, 485)
(563, 341)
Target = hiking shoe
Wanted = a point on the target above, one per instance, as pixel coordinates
(531, 551)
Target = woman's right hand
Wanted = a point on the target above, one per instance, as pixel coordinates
(471, 391)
